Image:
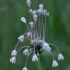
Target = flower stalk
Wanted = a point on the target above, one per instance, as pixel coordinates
(39, 63)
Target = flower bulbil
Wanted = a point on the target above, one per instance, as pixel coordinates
(36, 35)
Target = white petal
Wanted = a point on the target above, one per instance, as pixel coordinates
(30, 11)
(31, 24)
(21, 38)
(13, 60)
(34, 12)
(35, 17)
(25, 68)
(46, 44)
(26, 52)
(44, 12)
(28, 3)
(23, 19)
(60, 57)
(55, 63)
(14, 53)
(29, 34)
(46, 47)
(39, 11)
(34, 58)
(41, 6)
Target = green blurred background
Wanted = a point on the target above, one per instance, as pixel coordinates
(57, 32)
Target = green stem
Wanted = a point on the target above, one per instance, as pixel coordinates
(39, 64)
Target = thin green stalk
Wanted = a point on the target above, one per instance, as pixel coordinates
(39, 64)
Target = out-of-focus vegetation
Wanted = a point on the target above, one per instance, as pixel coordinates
(58, 32)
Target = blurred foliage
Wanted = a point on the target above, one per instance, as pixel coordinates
(58, 32)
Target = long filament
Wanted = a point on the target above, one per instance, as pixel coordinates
(52, 55)
(27, 58)
(17, 44)
(22, 47)
(54, 46)
(28, 27)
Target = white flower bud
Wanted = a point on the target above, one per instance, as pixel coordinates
(25, 68)
(46, 47)
(28, 3)
(41, 6)
(29, 34)
(34, 12)
(30, 11)
(26, 52)
(31, 24)
(34, 58)
(35, 17)
(60, 57)
(21, 38)
(14, 53)
(23, 19)
(55, 63)
(13, 60)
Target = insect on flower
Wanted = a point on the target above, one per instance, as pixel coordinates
(36, 35)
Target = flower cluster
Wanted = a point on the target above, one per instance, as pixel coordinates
(36, 36)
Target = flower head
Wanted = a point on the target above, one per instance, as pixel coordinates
(60, 57)
(13, 60)
(36, 35)
(54, 64)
